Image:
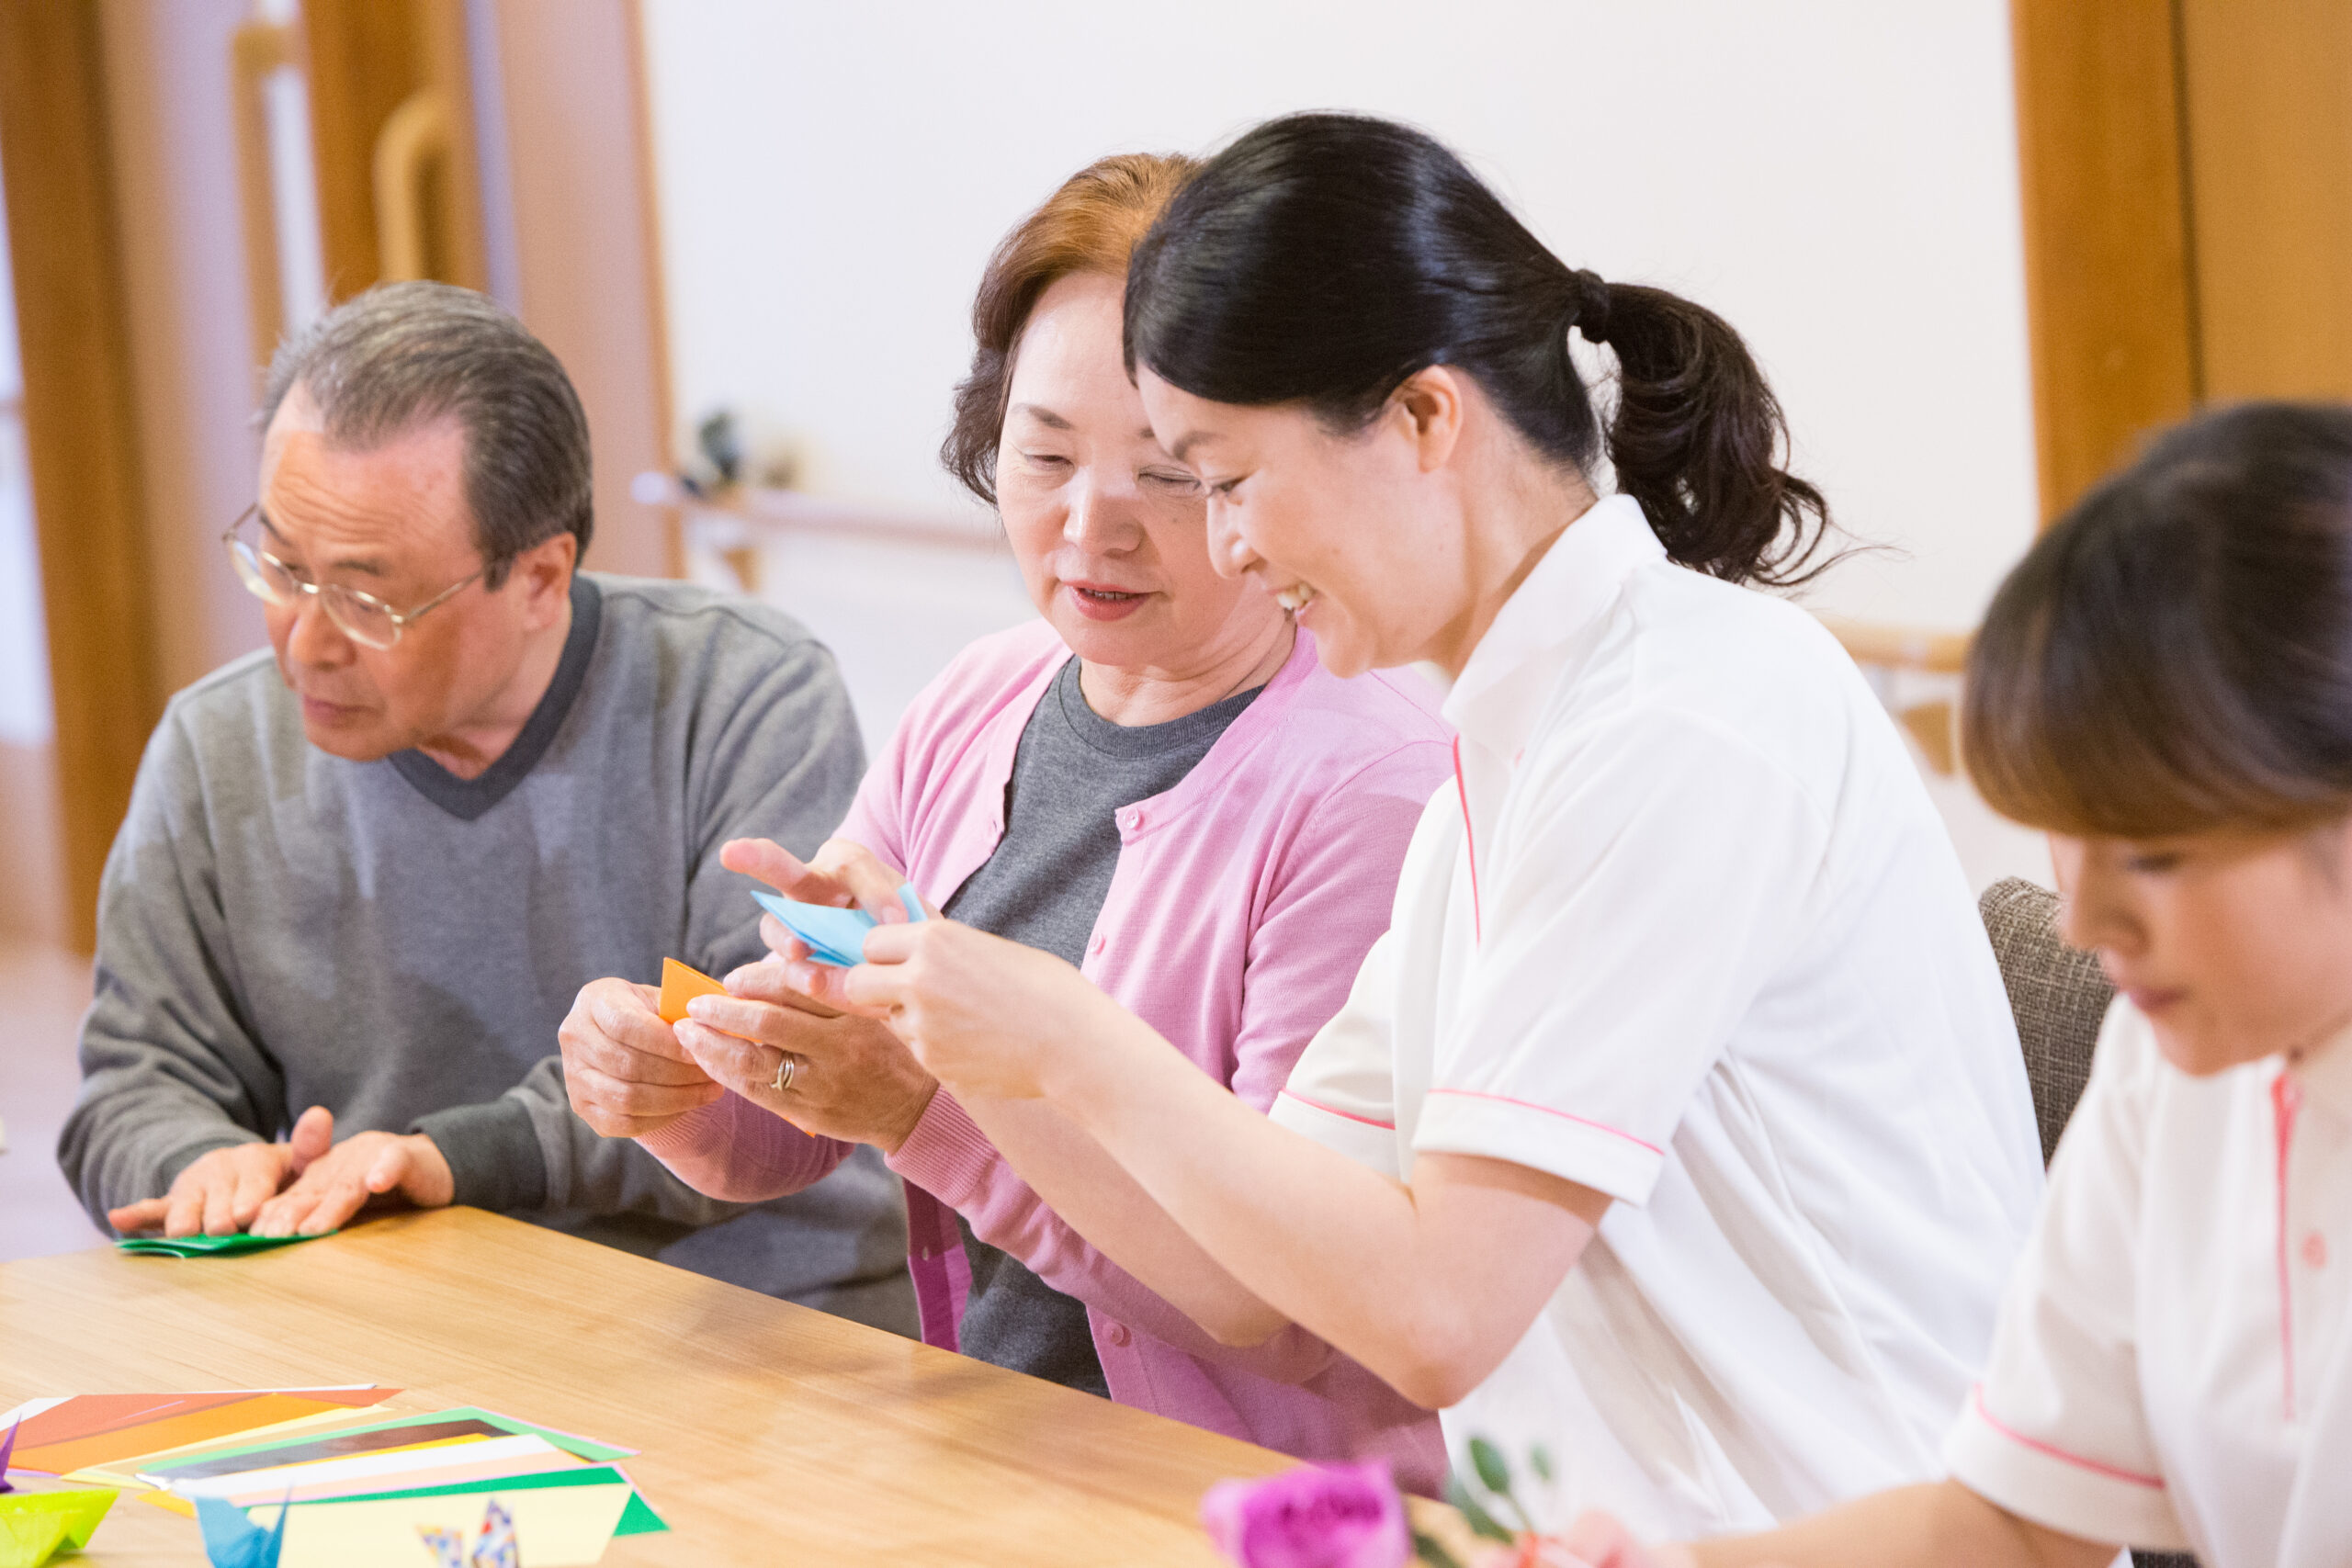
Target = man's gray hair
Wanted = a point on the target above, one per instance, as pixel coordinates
(402, 354)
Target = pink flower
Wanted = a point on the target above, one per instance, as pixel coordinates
(1337, 1516)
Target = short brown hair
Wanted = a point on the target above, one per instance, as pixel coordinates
(2176, 654)
(1090, 225)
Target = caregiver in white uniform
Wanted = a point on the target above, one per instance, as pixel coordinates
(1686, 1134)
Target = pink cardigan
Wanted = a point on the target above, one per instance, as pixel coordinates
(1244, 900)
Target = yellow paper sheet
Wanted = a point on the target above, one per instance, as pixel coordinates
(554, 1527)
(681, 984)
(124, 1473)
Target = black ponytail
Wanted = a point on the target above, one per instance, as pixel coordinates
(1323, 259)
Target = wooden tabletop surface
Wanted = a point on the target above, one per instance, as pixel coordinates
(771, 1434)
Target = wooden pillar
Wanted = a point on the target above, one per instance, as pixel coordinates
(79, 428)
(2110, 289)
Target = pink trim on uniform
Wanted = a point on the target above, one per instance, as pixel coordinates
(1469, 844)
(2286, 1099)
(2037, 1445)
(1563, 1115)
(1335, 1110)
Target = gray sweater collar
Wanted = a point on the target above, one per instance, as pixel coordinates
(468, 798)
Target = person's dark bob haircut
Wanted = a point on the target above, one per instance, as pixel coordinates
(2175, 655)
(1323, 259)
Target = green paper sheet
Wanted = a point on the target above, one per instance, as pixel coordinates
(206, 1245)
(637, 1519)
(36, 1525)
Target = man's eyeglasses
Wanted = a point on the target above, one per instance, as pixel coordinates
(361, 616)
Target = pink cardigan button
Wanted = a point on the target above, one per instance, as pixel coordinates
(1119, 1334)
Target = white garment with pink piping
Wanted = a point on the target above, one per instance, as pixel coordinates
(1686, 929)
(2172, 1369)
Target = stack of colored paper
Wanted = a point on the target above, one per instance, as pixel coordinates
(361, 1493)
(355, 1488)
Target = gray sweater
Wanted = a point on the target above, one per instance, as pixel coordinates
(280, 928)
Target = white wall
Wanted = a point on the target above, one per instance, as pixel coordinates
(1839, 178)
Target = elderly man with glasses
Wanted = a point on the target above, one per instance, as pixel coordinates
(474, 798)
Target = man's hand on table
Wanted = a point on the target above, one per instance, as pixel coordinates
(406, 1167)
(221, 1193)
(623, 1068)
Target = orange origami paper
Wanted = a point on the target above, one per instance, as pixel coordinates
(681, 984)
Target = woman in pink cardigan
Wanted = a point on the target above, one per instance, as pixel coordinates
(1160, 782)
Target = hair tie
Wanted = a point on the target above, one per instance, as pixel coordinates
(1590, 314)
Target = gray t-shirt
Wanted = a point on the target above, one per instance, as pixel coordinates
(280, 928)
(1043, 886)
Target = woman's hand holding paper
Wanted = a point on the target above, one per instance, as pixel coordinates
(853, 1081)
(843, 873)
(990, 1019)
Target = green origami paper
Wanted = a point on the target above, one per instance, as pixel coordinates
(205, 1246)
(36, 1525)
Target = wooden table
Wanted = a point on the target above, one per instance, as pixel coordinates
(771, 1434)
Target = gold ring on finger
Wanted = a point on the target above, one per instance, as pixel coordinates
(785, 1071)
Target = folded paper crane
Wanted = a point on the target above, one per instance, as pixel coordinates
(36, 1525)
(494, 1548)
(834, 936)
(234, 1541)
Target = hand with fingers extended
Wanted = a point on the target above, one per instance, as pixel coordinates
(842, 873)
(220, 1192)
(378, 1168)
(624, 1069)
(848, 1077)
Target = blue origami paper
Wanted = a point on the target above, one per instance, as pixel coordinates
(234, 1541)
(834, 936)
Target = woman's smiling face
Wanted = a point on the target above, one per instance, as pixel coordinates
(1107, 528)
(1360, 534)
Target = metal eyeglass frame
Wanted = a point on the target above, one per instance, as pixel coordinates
(249, 559)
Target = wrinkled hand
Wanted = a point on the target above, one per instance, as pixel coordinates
(623, 1068)
(1601, 1541)
(220, 1192)
(364, 1167)
(853, 1080)
(989, 1018)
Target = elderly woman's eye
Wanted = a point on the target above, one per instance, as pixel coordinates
(1044, 460)
(1171, 479)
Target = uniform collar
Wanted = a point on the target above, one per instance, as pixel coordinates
(2325, 1071)
(1545, 628)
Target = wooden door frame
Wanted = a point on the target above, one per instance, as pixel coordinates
(2110, 278)
(80, 431)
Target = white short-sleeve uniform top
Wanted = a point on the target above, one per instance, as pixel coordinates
(1703, 946)
(2172, 1369)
